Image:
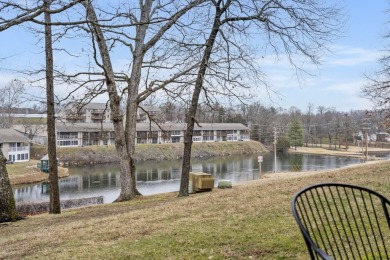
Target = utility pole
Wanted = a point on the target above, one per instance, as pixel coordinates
(366, 144)
(274, 149)
(366, 128)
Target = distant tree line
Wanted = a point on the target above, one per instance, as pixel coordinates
(320, 125)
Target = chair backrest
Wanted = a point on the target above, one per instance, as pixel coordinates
(342, 221)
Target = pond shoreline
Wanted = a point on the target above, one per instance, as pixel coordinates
(221, 149)
(144, 152)
(90, 155)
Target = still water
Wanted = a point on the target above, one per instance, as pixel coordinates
(157, 177)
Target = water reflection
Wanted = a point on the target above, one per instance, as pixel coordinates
(157, 177)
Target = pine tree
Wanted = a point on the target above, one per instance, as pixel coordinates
(295, 134)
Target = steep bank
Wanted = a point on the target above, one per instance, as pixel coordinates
(106, 154)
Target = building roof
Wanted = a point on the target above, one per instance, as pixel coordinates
(45, 158)
(182, 126)
(84, 127)
(8, 135)
(93, 105)
(94, 127)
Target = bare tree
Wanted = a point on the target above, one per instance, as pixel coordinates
(32, 130)
(55, 205)
(308, 124)
(16, 13)
(139, 30)
(11, 98)
(292, 27)
(172, 111)
(175, 54)
(144, 41)
(377, 88)
(7, 202)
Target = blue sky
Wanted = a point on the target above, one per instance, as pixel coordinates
(336, 83)
(338, 80)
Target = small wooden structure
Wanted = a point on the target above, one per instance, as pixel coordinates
(44, 164)
(201, 181)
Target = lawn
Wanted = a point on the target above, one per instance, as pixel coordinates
(27, 172)
(250, 221)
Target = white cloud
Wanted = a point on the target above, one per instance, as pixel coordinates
(347, 87)
(351, 56)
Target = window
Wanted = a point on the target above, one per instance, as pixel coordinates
(176, 132)
(68, 143)
(175, 139)
(196, 138)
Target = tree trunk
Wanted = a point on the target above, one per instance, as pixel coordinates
(126, 133)
(127, 167)
(194, 105)
(133, 87)
(55, 206)
(7, 202)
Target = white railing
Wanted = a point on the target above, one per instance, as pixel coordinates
(18, 149)
(68, 137)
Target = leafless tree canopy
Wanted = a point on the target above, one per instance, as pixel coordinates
(132, 50)
(378, 87)
(11, 97)
(298, 29)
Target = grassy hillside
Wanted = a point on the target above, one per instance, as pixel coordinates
(249, 221)
(103, 154)
(28, 120)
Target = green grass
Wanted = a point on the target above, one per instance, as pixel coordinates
(249, 221)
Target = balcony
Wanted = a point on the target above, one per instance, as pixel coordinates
(98, 117)
(18, 149)
(67, 137)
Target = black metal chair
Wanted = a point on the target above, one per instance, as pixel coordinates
(342, 221)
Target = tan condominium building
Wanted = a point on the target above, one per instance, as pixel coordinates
(84, 134)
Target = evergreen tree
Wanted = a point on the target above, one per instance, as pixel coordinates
(295, 134)
(255, 135)
(7, 202)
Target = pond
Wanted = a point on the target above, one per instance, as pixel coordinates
(157, 177)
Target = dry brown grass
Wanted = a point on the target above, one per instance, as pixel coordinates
(27, 172)
(353, 151)
(251, 220)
